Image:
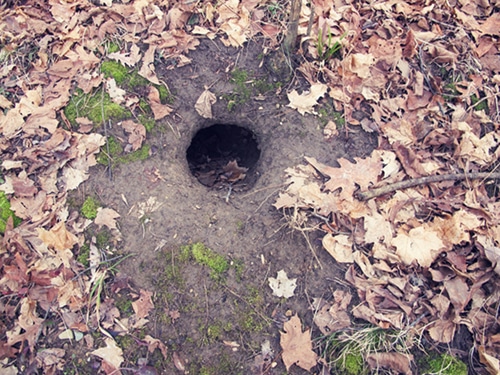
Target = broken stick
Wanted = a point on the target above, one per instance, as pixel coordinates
(366, 195)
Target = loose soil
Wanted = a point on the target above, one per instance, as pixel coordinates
(242, 226)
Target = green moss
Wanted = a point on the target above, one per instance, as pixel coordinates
(353, 364)
(113, 69)
(443, 364)
(83, 256)
(166, 96)
(215, 331)
(483, 106)
(239, 268)
(125, 342)
(112, 47)
(148, 122)
(144, 106)
(326, 113)
(89, 208)
(204, 256)
(124, 304)
(110, 151)
(262, 86)
(6, 213)
(92, 106)
(140, 154)
(102, 239)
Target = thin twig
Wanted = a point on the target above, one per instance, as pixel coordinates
(366, 195)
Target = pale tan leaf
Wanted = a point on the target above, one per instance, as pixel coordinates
(398, 362)
(492, 363)
(297, 345)
(359, 63)
(115, 93)
(349, 175)
(58, 238)
(204, 104)
(282, 286)
(111, 353)
(155, 344)
(148, 69)
(339, 247)
(129, 59)
(136, 132)
(442, 331)
(73, 177)
(420, 244)
(107, 217)
(160, 110)
(143, 305)
(305, 103)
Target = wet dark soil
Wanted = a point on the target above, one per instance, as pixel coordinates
(168, 201)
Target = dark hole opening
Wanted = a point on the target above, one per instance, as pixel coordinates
(223, 156)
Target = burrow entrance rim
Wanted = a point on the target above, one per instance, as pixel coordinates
(224, 155)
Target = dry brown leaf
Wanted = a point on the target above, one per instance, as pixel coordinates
(297, 345)
(348, 176)
(148, 69)
(204, 104)
(156, 344)
(442, 331)
(107, 217)
(458, 292)
(421, 244)
(339, 247)
(58, 238)
(332, 317)
(397, 362)
(143, 305)
(137, 133)
(492, 364)
(160, 110)
(305, 102)
(111, 353)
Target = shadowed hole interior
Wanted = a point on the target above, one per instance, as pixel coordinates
(224, 155)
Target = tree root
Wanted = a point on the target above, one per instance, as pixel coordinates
(366, 195)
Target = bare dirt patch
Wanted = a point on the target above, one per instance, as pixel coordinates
(241, 226)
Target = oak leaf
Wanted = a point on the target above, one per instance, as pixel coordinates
(297, 345)
(363, 173)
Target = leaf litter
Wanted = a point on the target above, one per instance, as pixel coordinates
(423, 257)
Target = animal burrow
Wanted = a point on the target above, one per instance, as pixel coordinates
(224, 156)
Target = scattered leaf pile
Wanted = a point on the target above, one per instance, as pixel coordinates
(49, 50)
(424, 77)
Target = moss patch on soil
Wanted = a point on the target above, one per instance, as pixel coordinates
(191, 282)
(97, 106)
(246, 86)
(6, 213)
